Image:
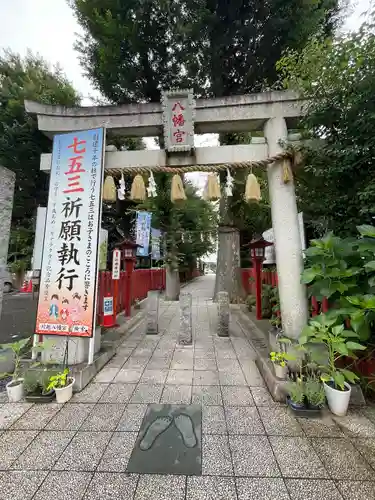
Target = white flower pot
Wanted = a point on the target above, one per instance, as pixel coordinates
(280, 371)
(338, 401)
(64, 393)
(15, 390)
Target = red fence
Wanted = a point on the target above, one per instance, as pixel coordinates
(143, 280)
(270, 278)
(248, 279)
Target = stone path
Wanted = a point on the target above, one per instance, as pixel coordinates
(252, 449)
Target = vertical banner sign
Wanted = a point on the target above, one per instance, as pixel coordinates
(116, 264)
(155, 243)
(143, 227)
(68, 285)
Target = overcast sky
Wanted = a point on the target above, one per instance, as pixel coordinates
(49, 28)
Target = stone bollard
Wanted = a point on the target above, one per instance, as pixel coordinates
(186, 326)
(153, 298)
(223, 312)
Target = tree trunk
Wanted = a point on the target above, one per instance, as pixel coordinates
(228, 270)
(172, 282)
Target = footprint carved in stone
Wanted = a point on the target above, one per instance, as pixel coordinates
(157, 427)
(185, 425)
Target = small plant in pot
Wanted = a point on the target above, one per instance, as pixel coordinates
(35, 386)
(314, 392)
(296, 394)
(15, 387)
(339, 342)
(62, 384)
(19, 349)
(279, 360)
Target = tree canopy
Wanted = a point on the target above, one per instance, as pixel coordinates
(132, 49)
(189, 227)
(336, 189)
(21, 143)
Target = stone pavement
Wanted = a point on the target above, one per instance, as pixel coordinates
(252, 449)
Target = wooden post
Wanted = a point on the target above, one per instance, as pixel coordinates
(258, 287)
(129, 267)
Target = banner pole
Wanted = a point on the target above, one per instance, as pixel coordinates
(90, 359)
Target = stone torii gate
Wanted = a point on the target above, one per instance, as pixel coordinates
(272, 112)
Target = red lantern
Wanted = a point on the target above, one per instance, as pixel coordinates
(257, 251)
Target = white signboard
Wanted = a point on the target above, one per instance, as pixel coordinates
(116, 264)
(108, 306)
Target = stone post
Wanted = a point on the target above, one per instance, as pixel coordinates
(152, 327)
(7, 181)
(223, 310)
(293, 300)
(186, 326)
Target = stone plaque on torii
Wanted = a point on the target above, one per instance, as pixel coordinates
(178, 120)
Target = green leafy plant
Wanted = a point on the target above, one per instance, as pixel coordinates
(280, 358)
(343, 270)
(314, 391)
(36, 381)
(59, 380)
(19, 349)
(250, 302)
(19, 266)
(339, 342)
(276, 310)
(31, 382)
(296, 391)
(267, 296)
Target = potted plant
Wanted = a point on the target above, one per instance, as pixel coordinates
(35, 387)
(314, 392)
(15, 386)
(279, 360)
(296, 394)
(338, 341)
(62, 384)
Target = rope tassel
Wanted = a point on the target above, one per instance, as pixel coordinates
(177, 189)
(138, 190)
(109, 190)
(287, 171)
(213, 188)
(252, 189)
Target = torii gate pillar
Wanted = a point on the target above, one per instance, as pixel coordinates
(292, 292)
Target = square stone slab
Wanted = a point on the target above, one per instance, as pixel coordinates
(169, 441)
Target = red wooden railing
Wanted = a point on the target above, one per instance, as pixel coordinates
(270, 278)
(143, 280)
